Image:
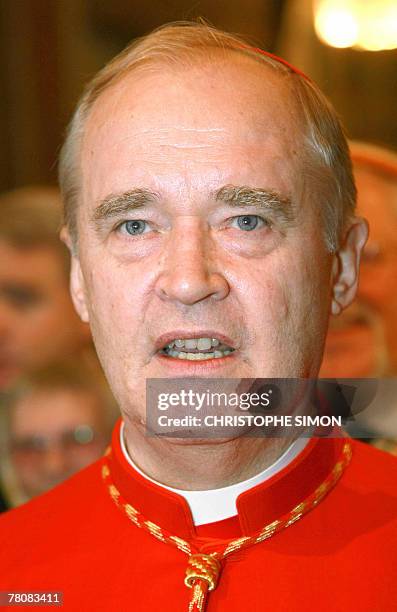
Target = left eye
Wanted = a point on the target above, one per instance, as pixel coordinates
(247, 223)
(134, 227)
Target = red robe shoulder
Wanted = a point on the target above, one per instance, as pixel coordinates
(341, 556)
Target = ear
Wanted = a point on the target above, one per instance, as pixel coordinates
(77, 284)
(77, 289)
(65, 236)
(345, 265)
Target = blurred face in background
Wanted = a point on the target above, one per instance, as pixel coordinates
(53, 434)
(363, 340)
(38, 323)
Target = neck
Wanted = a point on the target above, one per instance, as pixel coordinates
(201, 465)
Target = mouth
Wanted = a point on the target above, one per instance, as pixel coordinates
(196, 348)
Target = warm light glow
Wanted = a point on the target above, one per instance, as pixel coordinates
(363, 24)
(335, 24)
(378, 30)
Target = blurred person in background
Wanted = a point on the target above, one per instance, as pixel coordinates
(38, 323)
(57, 422)
(362, 341)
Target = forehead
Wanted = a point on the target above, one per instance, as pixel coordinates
(46, 410)
(41, 265)
(184, 121)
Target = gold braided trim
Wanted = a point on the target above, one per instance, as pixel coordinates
(138, 519)
(203, 570)
(235, 545)
(181, 544)
(155, 530)
(203, 567)
(197, 602)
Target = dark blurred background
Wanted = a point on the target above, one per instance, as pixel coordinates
(49, 48)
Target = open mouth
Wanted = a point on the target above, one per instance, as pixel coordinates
(196, 349)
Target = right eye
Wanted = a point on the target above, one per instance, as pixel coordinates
(134, 227)
(21, 297)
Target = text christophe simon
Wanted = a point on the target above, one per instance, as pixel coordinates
(244, 402)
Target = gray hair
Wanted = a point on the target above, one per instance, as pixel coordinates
(325, 159)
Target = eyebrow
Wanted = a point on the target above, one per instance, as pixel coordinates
(267, 200)
(120, 204)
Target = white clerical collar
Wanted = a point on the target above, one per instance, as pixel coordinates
(219, 504)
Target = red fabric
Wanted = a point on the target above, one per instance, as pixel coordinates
(341, 556)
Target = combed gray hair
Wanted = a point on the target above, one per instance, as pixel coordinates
(325, 155)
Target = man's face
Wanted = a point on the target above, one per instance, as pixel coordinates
(37, 320)
(53, 434)
(213, 237)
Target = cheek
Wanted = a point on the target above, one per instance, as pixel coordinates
(39, 323)
(273, 296)
(27, 471)
(279, 289)
(290, 295)
(312, 286)
(115, 297)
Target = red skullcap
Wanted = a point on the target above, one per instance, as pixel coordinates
(278, 59)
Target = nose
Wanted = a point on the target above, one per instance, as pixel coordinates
(54, 462)
(190, 271)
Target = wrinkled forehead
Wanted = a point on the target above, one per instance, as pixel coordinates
(196, 114)
(235, 93)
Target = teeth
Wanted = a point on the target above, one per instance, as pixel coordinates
(179, 349)
(203, 344)
(195, 356)
(191, 343)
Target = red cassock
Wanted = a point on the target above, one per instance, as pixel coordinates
(111, 540)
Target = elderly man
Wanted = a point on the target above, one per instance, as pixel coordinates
(209, 208)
